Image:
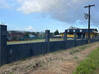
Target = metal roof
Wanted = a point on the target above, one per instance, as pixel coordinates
(81, 30)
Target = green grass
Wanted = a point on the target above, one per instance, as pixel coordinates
(32, 41)
(27, 41)
(90, 64)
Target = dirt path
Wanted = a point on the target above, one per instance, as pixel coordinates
(60, 62)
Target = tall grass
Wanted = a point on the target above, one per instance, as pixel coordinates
(90, 64)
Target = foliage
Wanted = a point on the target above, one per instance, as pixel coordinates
(90, 64)
(81, 48)
(56, 32)
(74, 51)
(75, 57)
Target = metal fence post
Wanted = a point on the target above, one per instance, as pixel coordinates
(3, 44)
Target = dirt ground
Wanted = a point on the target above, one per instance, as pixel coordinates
(60, 62)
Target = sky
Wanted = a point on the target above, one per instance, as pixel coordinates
(40, 15)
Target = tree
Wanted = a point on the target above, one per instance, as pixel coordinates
(56, 32)
(26, 34)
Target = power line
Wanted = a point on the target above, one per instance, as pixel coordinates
(89, 6)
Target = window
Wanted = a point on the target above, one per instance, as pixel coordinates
(74, 30)
(80, 30)
(67, 30)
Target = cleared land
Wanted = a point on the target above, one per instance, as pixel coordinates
(60, 62)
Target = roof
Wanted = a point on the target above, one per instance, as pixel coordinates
(81, 30)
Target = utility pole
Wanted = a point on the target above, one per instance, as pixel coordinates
(89, 6)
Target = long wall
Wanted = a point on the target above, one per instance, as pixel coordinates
(14, 52)
(20, 51)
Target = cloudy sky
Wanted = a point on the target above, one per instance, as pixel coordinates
(39, 15)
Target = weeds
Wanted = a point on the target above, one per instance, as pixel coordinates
(89, 65)
(74, 51)
(75, 57)
(83, 47)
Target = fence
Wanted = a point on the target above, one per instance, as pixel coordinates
(14, 52)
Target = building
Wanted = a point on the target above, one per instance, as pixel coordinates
(81, 33)
(20, 35)
(15, 35)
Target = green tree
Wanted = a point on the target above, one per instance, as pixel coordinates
(56, 32)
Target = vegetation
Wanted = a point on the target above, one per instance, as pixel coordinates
(75, 57)
(56, 32)
(78, 49)
(32, 41)
(90, 64)
(74, 51)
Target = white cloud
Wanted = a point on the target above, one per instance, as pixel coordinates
(64, 10)
(68, 11)
(29, 28)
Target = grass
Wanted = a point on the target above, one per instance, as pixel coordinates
(83, 47)
(78, 49)
(32, 41)
(27, 41)
(74, 51)
(75, 57)
(90, 64)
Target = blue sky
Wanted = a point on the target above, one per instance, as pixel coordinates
(39, 15)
